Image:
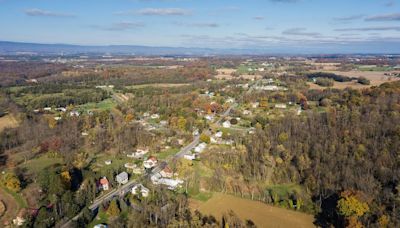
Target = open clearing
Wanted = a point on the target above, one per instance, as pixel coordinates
(11, 207)
(159, 85)
(376, 77)
(8, 121)
(261, 214)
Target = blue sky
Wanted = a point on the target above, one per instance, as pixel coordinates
(334, 25)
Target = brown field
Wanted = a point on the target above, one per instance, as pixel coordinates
(8, 121)
(225, 73)
(261, 214)
(159, 85)
(11, 207)
(376, 77)
(340, 85)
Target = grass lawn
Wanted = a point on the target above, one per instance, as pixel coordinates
(117, 162)
(201, 196)
(40, 163)
(106, 104)
(167, 153)
(283, 190)
(101, 218)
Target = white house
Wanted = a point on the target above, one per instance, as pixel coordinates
(61, 109)
(172, 184)
(226, 124)
(47, 109)
(255, 104)
(218, 134)
(282, 106)
(150, 162)
(104, 184)
(189, 157)
(140, 188)
(74, 113)
(155, 116)
(122, 178)
(246, 112)
(209, 117)
(108, 162)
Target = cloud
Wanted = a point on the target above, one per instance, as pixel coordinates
(363, 29)
(300, 32)
(202, 25)
(34, 12)
(120, 26)
(259, 18)
(164, 12)
(390, 3)
(199, 25)
(349, 18)
(384, 17)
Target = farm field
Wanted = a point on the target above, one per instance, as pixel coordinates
(8, 121)
(340, 85)
(261, 214)
(159, 85)
(376, 77)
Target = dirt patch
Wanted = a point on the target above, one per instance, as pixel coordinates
(11, 208)
(340, 85)
(8, 121)
(376, 77)
(261, 214)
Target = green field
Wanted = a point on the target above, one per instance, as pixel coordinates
(106, 104)
(38, 164)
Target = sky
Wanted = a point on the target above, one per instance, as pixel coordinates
(352, 25)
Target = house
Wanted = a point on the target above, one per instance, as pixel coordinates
(226, 124)
(199, 148)
(74, 113)
(19, 221)
(100, 226)
(218, 134)
(246, 112)
(155, 116)
(122, 178)
(230, 100)
(255, 104)
(167, 172)
(62, 109)
(150, 162)
(163, 123)
(130, 166)
(57, 118)
(282, 106)
(47, 109)
(146, 114)
(209, 117)
(171, 184)
(108, 162)
(84, 134)
(189, 157)
(104, 184)
(140, 188)
(138, 154)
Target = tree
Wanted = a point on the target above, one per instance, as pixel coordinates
(350, 205)
(113, 209)
(205, 138)
(12, 182)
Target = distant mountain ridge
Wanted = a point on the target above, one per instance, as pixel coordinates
(389, 47)
(7, 47)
